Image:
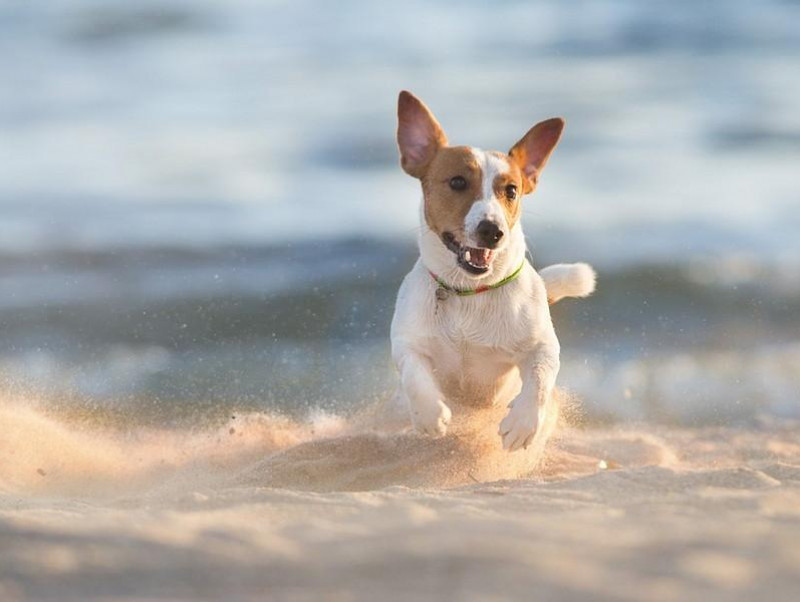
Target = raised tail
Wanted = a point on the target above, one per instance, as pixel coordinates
(568, 280)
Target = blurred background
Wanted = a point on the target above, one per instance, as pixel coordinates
(201, 208)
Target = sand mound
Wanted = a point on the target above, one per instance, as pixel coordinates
(45, 453)
(360, 510)
(612, 514)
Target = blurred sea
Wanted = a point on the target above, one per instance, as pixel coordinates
(201, 208)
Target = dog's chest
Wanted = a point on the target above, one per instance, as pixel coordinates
(475, 375)
(477, 347)
(496, 320)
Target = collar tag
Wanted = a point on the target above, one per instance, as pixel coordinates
(442, 293)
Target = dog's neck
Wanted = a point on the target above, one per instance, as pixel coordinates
(440, 260)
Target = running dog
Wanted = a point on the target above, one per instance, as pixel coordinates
(472, 322)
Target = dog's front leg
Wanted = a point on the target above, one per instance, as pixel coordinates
(527, 410)
(429, 414)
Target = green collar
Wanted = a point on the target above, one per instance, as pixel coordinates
(445, 288)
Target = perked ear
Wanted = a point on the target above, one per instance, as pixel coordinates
(419, 135)
(531, 153)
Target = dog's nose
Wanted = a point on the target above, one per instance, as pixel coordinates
(488, 233)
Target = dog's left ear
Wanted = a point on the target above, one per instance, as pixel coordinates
(533, 150)
(419, 135)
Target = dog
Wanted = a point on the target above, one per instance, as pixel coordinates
(472, 323)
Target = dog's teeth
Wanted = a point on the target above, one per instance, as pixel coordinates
(466, 256)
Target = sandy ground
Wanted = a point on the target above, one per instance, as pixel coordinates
(267, 510)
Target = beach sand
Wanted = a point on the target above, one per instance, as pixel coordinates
(264, 508)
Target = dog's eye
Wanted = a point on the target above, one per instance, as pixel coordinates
(458, 183)
(511, 192)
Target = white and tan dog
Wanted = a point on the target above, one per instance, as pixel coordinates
(472, 323)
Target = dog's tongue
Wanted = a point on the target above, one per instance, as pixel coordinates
(478, 257)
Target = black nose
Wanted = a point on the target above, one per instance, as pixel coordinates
(488, 233)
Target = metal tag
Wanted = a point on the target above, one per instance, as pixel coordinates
(442, 294)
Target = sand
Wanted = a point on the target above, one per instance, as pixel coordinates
(264, 508)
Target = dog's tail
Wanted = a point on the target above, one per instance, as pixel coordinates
(568, 280)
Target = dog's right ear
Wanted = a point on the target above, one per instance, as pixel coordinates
(531, 153)
(419, 135)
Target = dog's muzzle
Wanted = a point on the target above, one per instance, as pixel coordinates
(475, 260)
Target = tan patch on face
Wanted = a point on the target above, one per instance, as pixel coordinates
(446, 208)
(512, 207)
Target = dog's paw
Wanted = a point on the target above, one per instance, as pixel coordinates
(431, 419)
(519, 427)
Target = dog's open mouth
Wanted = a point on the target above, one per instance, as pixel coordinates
(475, 260)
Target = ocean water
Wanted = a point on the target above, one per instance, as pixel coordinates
(201, 209)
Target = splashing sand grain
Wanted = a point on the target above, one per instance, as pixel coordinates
(42, 453)
(308, 511)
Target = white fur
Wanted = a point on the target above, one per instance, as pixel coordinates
(487, 207)
(498, 347)
(568, 280)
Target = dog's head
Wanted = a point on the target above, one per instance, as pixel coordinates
(471, 197)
